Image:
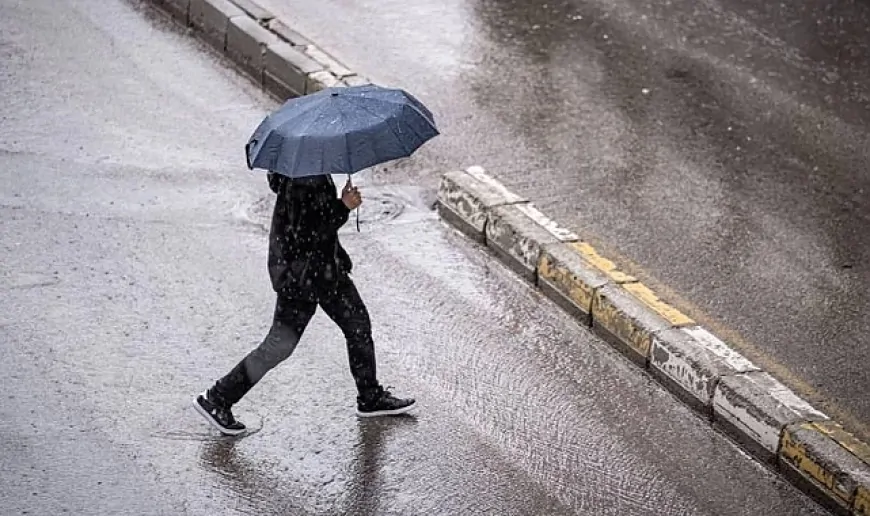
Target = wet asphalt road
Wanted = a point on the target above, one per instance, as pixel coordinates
(133, 274)
(720, 149)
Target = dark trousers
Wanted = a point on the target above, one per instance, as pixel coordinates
(343, 305)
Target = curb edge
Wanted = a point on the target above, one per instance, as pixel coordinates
(734, 395)
(329, 72)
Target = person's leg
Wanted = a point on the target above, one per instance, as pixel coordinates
(289, 322)
(346, 308)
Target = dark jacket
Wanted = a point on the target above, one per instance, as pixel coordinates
(305, 256)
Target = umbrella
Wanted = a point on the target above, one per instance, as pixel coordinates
(340, 131)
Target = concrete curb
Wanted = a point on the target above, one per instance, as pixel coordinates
(761, 414)
(280, 60)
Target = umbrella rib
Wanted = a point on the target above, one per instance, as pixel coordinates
(413, 130)
(392, 130)
(302, 139)
(407, 100)
(348, 153)
(411, 127)
(422, 110)
(282, 118)
(362, 106)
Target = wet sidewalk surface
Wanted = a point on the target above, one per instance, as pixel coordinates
(717, 148)
(133, 274)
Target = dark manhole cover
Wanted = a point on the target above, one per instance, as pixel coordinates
(378, 207)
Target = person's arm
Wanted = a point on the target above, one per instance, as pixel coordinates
(313, 208)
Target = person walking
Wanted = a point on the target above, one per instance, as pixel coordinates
(308, 268)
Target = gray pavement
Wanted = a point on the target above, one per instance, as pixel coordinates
(719, 149)
(132, 272)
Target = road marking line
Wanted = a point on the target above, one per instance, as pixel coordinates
(651, 300)
(560, 233)
(845, 439)
(601, 263)
(807, 449)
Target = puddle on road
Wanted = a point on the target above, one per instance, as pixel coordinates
(256, 214)
(382, 205)
(206, 433)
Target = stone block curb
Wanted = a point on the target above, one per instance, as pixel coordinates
(825, 468)
(758, 412)
(517, 239)
(328, 62)
(176, 9)
(279, 59)
(690, 362)
(754, 408)
(465, 199)
(568, 280)
(625, 322)
(861, 505)
(287, 34)
(356, 80)
(259, 14)
(247, 42)
(607, 267)
(288, 68)
(211, 18)
(319, 81)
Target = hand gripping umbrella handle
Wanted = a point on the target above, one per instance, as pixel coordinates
(357, 209)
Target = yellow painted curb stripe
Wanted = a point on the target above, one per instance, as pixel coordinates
(848, 441)
(620, 324)
(796, 453)
(578, 291)
(601, 263)
(630, 283)
(666, 311)
(862, 501)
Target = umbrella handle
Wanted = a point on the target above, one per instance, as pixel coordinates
(350, 181)
(248, 154)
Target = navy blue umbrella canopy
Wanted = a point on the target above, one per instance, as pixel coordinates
(340, 131)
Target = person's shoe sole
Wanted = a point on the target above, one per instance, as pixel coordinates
(204, 413)
(380, 413)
